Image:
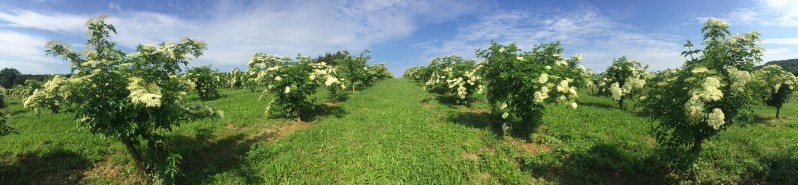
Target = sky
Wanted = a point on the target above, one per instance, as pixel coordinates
(399, 33)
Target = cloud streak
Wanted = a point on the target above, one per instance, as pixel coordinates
(25, 54)
(765, 12)
(585, 30)
(235, 31)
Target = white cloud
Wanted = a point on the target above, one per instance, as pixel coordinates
(772, 54)
(234, 32)
(25, 53)
(783, 41)
(765, 12)
(56, 22)
(585, 30)
(115, 6)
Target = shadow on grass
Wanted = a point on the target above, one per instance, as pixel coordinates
(54, 167)
(600, 105)
(316, 112)
(340, 98)
(323, 110)
(602, 164)
(484, 120)
(449, 101)
(17, 112)
(613, 164)
(205, 156)
(780, 169)
(760, 119)
(783, 170)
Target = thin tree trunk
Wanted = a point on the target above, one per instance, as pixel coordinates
(133, 151)
(778, 109)
(695, 151)
(620, 104)
(353, 86)
(696, 146)
(298, 118)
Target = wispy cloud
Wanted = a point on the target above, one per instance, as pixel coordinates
(783, 41)
(765, 12)
(56, 22)
(25, 54)
(234, 31)
(772, 54)
(585, 30)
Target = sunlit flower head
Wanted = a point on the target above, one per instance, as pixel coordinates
(715, 118)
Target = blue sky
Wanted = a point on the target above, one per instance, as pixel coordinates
(399, 33)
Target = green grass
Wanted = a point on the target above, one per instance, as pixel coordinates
(395, 132)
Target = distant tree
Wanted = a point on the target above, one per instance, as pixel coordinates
(332, 59)
(776, 86)
(205, 80)
(790, 65)
(625, 79)
(4, 128)
(353, 68)
(8, 76)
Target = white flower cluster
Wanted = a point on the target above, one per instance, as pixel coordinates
(715, 118)
(541, 95)
(708, 92)
(145, 93)
(739, 79)
(54, 91)
(631, 84)
(567, 93)
(505, 114)
(469, 79)
(434, 80)
(261, 60)
(324, 71)
(616, 91)
(774, 76)
(716, 22)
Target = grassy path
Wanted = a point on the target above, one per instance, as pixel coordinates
(387, 135)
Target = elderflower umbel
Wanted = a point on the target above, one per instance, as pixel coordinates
(563, 87)
(504, 116)
(739, 78)
(699, 70)
(145, 93)
(541, 95)
(711, 91)
(715, 118)
(616, 91)
(573, 105)
(543, 78)
(695, 108)
(287, 90)
(330, 81)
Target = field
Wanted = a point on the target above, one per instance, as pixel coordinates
(395, 132)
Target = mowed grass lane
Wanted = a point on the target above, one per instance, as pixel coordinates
(393, 132)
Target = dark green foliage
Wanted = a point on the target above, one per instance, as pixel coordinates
(8, 76)
(133, 98)
(684, 104)
(790, 65)
(206, 81)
